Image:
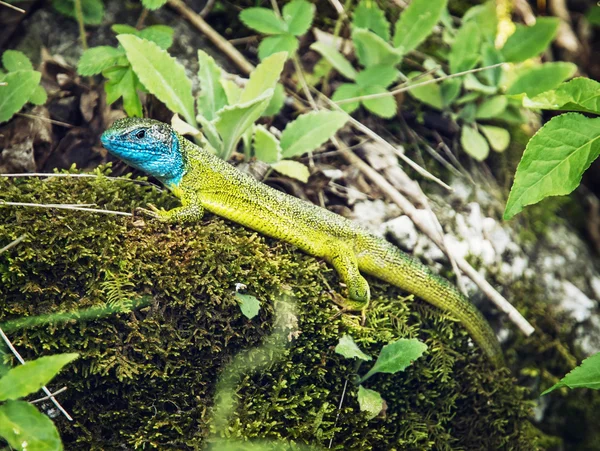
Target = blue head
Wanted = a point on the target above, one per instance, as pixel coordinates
(149, 145)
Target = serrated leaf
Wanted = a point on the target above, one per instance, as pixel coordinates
(535, 80)
(233, 121)
(397, 356)
(122, 82)
(249, 305)
(93, 10)
(381, 75)
(370, 402)
(473, 143)
(554, 160)
(309, 131)
(277, 101)
(153, 4)
(416, 23)
(26, 429)
(349, 349)
(266, 145)
(336, 59)
(292, 169)
(232, 90)
(384, 107)
(264, 77)
(212, 96)
(492, 107)
(161, 74)
(579, 94)
(96, 59)
(39, 96)
(372, 50)
(498, 137)
(25, 379)
(430, 94)
(17, 91)
(586, 375)
(279, 43)
(298, 15)
(368, 15)
(464, 53)
(161, 35)
(347, 91)
(527, 42)
(263, 20)
(13, 60)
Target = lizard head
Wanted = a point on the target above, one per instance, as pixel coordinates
(149, 145)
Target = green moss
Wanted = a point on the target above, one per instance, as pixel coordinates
(147, 378)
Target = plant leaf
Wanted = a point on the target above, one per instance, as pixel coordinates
(161, 35)
(450, 90)
(26, 429)
(122, 82)
(212, 95)
(554, 160)
(264, 77)
(277, 101)
(492, 107)
(17, 91)
(349, 349)
(491, 55)
(266, 145)
(249, 305)
(586, 375)
(298, 15)
(464, 53)
(368, 15)
(279, 43)
(161, 74)
(527, 42)
(486, 19)
(24, 379)
(498, 137)
(39, 96)
(538, 79)
(416, 23)
(428, 94)
(210, 132)
(309, 131)
(372, 50)
(153, 4)
(385, 107)
(96, 59)
(370, 402)
(397, 356)
(13, 60)
(579, 94)
(263, 20)
(347, 91)
(335, 58)
(474, 143)
(93, 10)
(292, 169)
(471, 83)
(381, 75)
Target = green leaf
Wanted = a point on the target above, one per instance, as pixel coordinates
(212, 96)
(416, 23)
(372, 50)
(264, 77)
(26, 429)
(370, 402)
(430, 94)
(210, 132)
(586, 375)
(486, 19)
(233, 121)
(554, 160)
(368, 15)
(298, 15)
(347, 91)
(95, 60)
(17, 91)
(249, 305)
(491, 55)
(232, 91)
(120, 28)
(450, 90)
(498, 137)
(336, 59)
(397, 356)
(492, 107)
(263, 20)
(527, 42)
(579, 94)
(474, 143)
(161, 74)
(464, 53)
(381, 75)
(471, 83)
(122, 82)
(25, 379)
(349, 349)
(93, 10)
(39, 96)
(266, 145)
(275, 44)
(153, 4)
(385, 107)
(309, 131)
(161, 35)
(13, 60)
(277, 101)
(292, 169)
(593, 15)
(535, 80)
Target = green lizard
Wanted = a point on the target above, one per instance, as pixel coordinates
(203, 181)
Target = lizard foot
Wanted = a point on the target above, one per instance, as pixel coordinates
(349, 305)
(152, 212)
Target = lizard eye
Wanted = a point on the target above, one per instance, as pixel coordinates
(140, 134)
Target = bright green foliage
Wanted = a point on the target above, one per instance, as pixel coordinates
(161, 35)
(368, 15)
(372, 50)
(96, 59)
(212, 94)
(309, 131)
(498, 137)
(416, 23)
(249, 305)
(336, 59)
(369, 402)
(283, 31)
(535, 80)
(586, 375)
(593, 15)
(13, 61)
(264, 77)
(26, 429)
(474, 143)
(292, 169)
(348, 348)
(121, 81)
(93, 10)
(277, 101)
(396, 356)
(266, 145)
(492, 107)
(465, 53)
(486, 19)
(579, 94)
(153, 4)
(428, 94)
(22, 84)
(527, 42)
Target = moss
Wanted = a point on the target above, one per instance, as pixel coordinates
(147, 378)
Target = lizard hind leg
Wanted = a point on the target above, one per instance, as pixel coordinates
(344, 261)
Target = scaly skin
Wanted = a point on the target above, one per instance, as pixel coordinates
(203, 181)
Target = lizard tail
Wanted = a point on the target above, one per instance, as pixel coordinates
(386, 262)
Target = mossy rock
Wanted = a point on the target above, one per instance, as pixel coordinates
(147, 378)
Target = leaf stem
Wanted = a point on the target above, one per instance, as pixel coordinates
(79, 16)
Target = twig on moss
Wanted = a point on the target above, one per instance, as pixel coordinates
(82, 175)
(337, 417)
(22, 361)
(45, 398)
(13, 243)
(8, 5)
(77, 207)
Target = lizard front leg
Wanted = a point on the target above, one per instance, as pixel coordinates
(191, 209)
(343, 259)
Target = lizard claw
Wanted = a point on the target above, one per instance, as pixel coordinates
(153, 212)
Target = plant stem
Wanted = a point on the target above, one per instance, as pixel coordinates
(79, 16)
